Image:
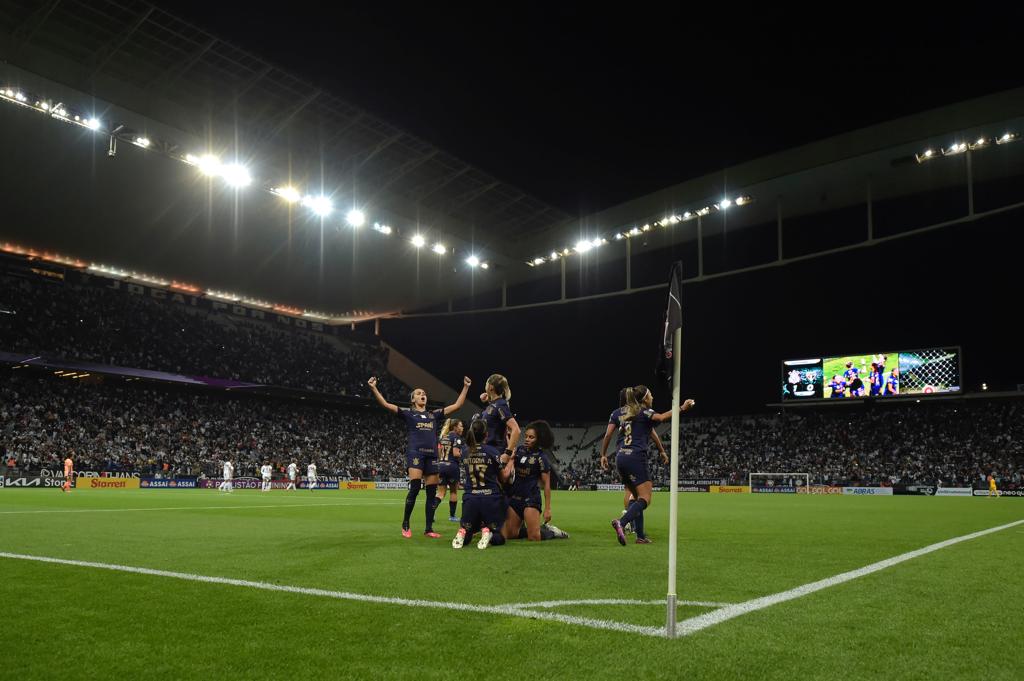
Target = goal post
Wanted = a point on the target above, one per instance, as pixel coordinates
(799, 483)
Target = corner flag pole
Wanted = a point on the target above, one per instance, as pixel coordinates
(672, 347)
(673, 494)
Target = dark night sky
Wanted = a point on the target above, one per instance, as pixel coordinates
(587, 109)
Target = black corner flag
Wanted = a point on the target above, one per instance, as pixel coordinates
(673, 321)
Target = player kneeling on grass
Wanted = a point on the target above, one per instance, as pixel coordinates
(634, 423)
(482, 500)
(532, 467)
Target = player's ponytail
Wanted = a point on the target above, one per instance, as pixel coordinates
(477, 435)
(499, 384)
(634, 401)
(449, 425)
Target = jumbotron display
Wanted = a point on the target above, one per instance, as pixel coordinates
(880, 374)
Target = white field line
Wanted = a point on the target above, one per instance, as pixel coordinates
(613, 601)
(364, 598)
(204, 508)
(701, 622)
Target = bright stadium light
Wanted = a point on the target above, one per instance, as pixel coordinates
(383, 229)
(440, 249)
(142, 142)
(356, 218)
(484, 266)
(236, 175)
(554, 255)
(20, 97)
(472, 261)
(619, 236)
(634, 231)
(583, 246)
(1008, 137)
(538, 261)
(725, 203)
(45, 106)
(418, 241)
(321, 205)
(208, 165)
(289, 194)
(92, 123)
(955, 148)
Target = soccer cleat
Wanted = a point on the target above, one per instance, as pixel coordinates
(406, 532)
(453, 519)
(485, 540)
(559, 534)
(619, 534)
(459, 539)
(643, 540)
(432, 534)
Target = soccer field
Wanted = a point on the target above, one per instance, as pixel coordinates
(322, 585)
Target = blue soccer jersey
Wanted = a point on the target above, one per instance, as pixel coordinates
(422, 427)
(482, 469)
(634, 433)
(496, 415)
(530, 465)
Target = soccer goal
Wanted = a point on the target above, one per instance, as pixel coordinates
(801, 482)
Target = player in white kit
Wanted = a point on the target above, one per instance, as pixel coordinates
(267, 472)
(311, 476)
(229, 473)
(293, 472)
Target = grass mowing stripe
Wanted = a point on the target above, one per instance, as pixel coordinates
(701, 622)
(204, 508)
(365, 598)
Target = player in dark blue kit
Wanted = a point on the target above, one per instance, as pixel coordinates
(634, 424)
(421, 455)
(533, 470)
(892, 384)
(502, 428)
(875, 380)
(837, 387)
(449, 451)
(483, 505)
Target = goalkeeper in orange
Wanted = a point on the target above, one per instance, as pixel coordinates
(993, 491)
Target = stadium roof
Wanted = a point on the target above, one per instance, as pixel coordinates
(176, 83)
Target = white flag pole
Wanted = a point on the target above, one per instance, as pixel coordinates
(673, 508)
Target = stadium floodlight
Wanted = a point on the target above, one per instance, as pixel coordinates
(236, 175)
(538, 261)
(646, 228)
(687, 215)
(141, 142)
(289, 193)
(984, 386)
(725, 203)
(583, 246)
(208, 165)
(440, 249)
(1008, 137)
(924, 156)
(356, 218)
(383, 229)
(20, 97)
(484, 266)
(979, 143)
(554, 255)
(92, 123)
(472, 261)
(955, 148)
(418, 241)
(566, 251)
(634, 232)
(743, 200)
(45, 106)
(321, 205)
(619, 236)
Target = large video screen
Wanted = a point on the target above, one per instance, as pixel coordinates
(877, 374)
